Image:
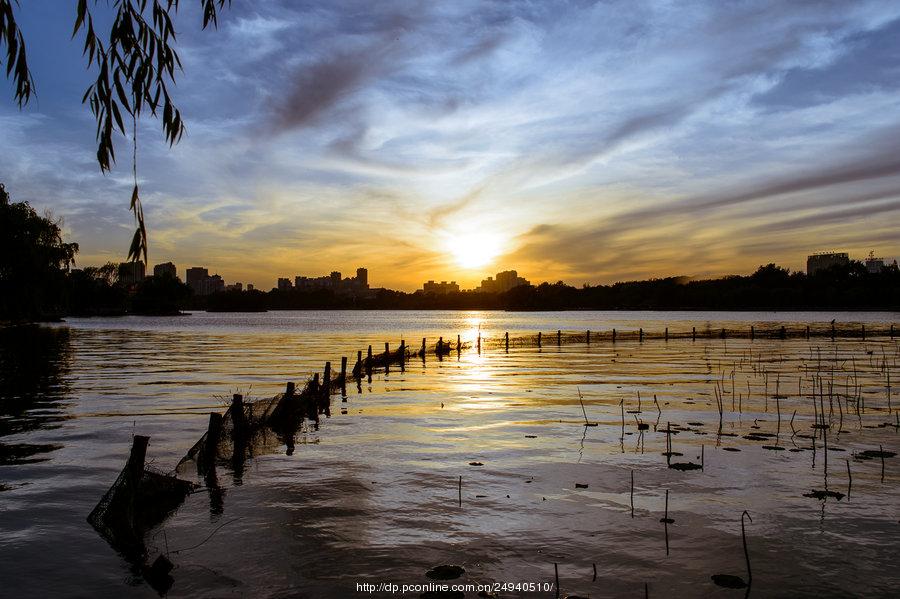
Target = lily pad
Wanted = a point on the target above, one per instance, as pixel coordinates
(871, 454)
(819, 494)
(729, 581)
(683, 466)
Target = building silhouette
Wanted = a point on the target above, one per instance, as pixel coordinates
(166, 269)
(502, 282)
(199, 279)
(825, 260)
(874, 265)
(284, 284)
(131, 273)
(441, 288)
(358, 285)
(195, 276)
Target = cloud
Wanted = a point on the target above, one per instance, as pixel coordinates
(596, 140)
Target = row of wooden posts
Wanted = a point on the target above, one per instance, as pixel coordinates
(310, 400)
(321, 390)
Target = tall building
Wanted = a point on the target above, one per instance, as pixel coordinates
(284, 284)
(196, 277)
(441, 288)
(504, 281)
(131, 273)
(874, 265)
(213, 284)
(824, 260)
(166, 269)
(199, 279)
(362, 277)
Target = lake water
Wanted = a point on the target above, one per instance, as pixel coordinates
(372, 494)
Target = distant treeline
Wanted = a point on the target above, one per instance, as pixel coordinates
(848, 286)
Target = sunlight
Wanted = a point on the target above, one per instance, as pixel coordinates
(473, 250)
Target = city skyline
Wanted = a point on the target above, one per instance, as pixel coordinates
(446, 141)
(498, 282)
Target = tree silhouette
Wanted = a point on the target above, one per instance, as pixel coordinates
(33, 263)
(134, 65)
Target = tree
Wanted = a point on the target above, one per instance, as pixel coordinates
(134, 65)
(159, 296)
(34, 261)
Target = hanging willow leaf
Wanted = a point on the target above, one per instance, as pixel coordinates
(134, 66)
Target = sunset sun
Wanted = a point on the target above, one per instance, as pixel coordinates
(475, 250)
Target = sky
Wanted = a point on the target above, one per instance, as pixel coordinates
(589, 142)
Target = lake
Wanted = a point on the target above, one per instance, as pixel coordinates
(372, 494)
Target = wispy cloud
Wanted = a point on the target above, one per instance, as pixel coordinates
(598, 140)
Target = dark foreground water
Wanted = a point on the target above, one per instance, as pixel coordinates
(372, 495)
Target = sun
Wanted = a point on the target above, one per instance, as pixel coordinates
(473, 250)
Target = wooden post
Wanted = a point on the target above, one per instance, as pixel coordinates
(387, 348)
(289, 389)
(722, 334)
(313, 406)
(326, 378)
(369, 361)
(138, 456)
(479, 343)
(752, 333)
(558, 338)
(693, 333)
(359, 361)
(343, 371)
(587, 337)
(214, 431)
(832, 330)
(459, 345)
(667, 333)
(783, 333)
(402, 353)
(423, 348)
(440, 346)
(614, 335)
(237, 413)
(807, 332)
(641, 335)
(507, 339)
(539, 338)
(135, 473)
(864, 332)
(387, 357)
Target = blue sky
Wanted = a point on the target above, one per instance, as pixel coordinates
(589, 142)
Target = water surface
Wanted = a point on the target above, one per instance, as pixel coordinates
(371, 495)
